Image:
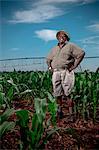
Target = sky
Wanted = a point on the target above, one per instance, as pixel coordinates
(29, 27)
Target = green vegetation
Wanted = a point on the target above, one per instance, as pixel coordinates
(36, 87)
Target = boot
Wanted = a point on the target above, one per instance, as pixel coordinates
(60, 113)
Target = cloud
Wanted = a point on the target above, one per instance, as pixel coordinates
(56, 1)
(94, 27)
(44, 10)
(14, 49)
(65, 1)
(46, 34)
(90, 40)
(91, 43)
(87, 1)
(36, 15)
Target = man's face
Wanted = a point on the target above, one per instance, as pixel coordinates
(62, 38)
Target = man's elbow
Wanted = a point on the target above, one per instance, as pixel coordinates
(48, 61)
(82, 54)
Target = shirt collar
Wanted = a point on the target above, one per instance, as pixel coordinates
(63, 44)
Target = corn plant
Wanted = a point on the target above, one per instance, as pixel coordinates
(36, 84)
(52, 108)
(6, 125)
(85, 93)
(12, 90)
(31, 136)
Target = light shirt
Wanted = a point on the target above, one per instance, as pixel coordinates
(62, 57)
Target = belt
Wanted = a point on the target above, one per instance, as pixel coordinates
(59, 69)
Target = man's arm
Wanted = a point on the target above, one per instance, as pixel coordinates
(49, 58)
(77, 61)
(48, 61)
(49, 65)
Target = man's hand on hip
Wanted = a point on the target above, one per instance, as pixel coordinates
(50, 69)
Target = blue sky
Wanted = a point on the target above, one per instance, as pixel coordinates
(28, 27)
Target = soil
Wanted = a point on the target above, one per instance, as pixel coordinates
(72, 134)
(75, 133)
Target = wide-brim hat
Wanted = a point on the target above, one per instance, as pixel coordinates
(65, 33)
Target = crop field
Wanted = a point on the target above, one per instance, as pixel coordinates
(28, 113)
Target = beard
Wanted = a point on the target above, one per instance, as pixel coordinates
(61, 42)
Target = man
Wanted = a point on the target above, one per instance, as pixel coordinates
(62, 60)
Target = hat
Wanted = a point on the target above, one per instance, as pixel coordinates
(65, 33)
